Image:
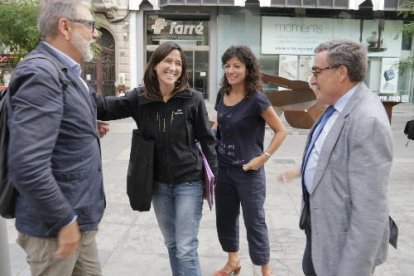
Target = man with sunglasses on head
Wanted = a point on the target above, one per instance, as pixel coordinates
(54, 155)
(345, 168)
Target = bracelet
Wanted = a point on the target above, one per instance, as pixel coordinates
(267, 155)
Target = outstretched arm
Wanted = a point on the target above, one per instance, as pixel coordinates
(102, 127)
(289, 174)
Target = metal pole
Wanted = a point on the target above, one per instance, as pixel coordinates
(4, 250)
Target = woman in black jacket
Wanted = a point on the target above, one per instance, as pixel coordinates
(167, 111)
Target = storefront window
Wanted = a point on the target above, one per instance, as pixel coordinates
(270, 65)
(393, 85)
(294, 2)
(293, 39)
(309, 3)
(191, 33)
(292, 67)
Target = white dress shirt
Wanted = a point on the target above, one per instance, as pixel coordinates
(309, 171)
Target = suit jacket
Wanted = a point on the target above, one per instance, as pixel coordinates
(54, 156)
(348, 201)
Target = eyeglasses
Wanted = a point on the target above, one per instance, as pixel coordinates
(316, 71)
(89, 23)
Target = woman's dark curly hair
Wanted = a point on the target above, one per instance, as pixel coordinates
(152, 86)
(253, 81)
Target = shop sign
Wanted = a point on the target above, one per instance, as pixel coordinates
(163, 29)
(299, 36)
(7, 58)
(394, 98)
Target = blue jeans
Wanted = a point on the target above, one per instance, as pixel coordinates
(178, 208)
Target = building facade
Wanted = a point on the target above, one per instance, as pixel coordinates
(282, 33)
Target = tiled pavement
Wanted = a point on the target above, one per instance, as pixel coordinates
(130, 243)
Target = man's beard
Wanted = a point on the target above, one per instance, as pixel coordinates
(83, 46)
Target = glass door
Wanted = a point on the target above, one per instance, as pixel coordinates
(197, 67)
(197, 70)
(201, 72)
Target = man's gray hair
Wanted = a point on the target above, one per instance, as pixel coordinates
(346, 52)
(50, 11)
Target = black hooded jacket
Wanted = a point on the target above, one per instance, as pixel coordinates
(175, 126)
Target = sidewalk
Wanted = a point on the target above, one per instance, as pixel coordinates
(130, 243)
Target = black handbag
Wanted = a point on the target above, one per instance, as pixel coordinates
(140, 175)
(409, 130)
(393, 239)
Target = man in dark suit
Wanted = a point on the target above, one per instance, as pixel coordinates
(345, 168)
(54, 157)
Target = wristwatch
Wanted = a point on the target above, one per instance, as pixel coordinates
(267, 155)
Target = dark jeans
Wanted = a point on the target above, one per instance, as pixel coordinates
(307, 264)
(236, 187)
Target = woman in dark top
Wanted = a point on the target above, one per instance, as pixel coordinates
(175, 117)
(242, 112)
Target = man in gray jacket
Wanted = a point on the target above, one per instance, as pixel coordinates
(54, 156)
(345, 168)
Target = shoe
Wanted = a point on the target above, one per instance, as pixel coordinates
(229, 269)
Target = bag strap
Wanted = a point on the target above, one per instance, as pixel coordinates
(140, 90)
(58, 68)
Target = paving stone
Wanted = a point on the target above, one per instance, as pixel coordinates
(130, 243)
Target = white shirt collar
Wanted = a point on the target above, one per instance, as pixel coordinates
(72, 65)
(342, 101)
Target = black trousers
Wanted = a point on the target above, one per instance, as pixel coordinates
(307, 263)
(236, 188)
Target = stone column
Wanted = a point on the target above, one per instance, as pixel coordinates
(4, 250)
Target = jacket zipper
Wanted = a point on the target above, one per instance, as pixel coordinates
(166, 148)
(158, 120)
(163, 129)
